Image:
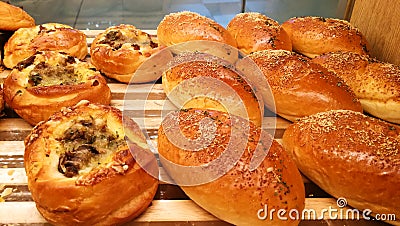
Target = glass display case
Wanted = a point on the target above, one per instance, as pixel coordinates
(100, 14)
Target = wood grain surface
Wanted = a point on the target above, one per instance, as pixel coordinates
(379, 22)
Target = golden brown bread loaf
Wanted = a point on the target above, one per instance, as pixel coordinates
(230, 167)
(51, 36)
(47, 81)
(376, 84)
(349, 155)
(81, 170)
(209, 84)
(300, 87)
(186, 26)
(120, 50)
(312, 36)
(13, 17)
(255, 31)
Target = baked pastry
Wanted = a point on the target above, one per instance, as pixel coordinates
(47, 81)
(202, 81)
(300, 87)
(376, 84)
(82, 171)
(230, 167)
(120, 50)
(351, 156)
(13, 17)
(312, 36)
(51, 36)
(186, 26)
(191, 32)
(255, 31)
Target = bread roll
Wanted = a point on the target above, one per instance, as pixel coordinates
(312, 36)
(349, 155)
(81, 170)
(120, 50)
(196, 82)
(255, 31)
(186, 26)
(230, 167)
(300, 87)
(51, 36)
(13, 17)
(375, 83)
(47, 81)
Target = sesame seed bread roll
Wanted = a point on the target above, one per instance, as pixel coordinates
(312, 36)
(208, 84)
(375, 83)
(349, 155)
(255, 31)
(13, 17)
(85, 166)
(188, 26)
(191, 32)
(241, 190)
(300, 87)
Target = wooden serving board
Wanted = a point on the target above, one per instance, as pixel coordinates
(170, 206)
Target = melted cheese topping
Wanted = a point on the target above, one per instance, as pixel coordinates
(49, 69)
(87, 143)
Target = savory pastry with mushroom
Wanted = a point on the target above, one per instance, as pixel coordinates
(86, 166)
(51, 36)
(47, 81)
(120, 50)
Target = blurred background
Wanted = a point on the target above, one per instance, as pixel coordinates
(146, 14)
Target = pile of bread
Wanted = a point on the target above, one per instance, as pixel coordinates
(316, 72)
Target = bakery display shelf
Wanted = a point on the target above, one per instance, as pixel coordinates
(170, 206)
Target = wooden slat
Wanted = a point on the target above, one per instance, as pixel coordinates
(163, 211)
